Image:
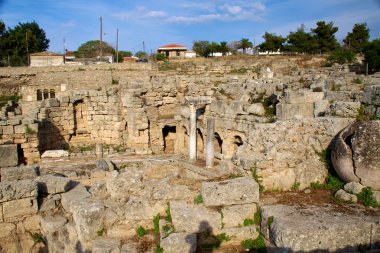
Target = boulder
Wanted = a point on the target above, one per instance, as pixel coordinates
(239, 234)
(179, 243)
(242, 190)
(78, 194)
(14, 190)
(124, 184)
(256, 109)
(8, 155)
(234, 216)
(105, 164)
(343, 195)
(55, 154)
(354, 187)
(344, 109)
(52, 184)
(165, 191)
(19, 173)
(354, 153)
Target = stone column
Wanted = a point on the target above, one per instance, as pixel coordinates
(193, 133)
(210, 143)
(99, 150)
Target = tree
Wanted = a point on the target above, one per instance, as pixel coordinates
(272, 42)
(141, 54)
(324, 35)
(213, 47)
(201, 47)
(25, 38)
(357, 39)
(123, 54)
(301, 41)
(91, 49)
(372, 54)
(223, 48)
(341, 56)
(245, 44)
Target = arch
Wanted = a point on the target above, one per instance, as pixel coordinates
(52, 93)
(218, 143)
(169, 135)
(80, 117)
(39, 95)
(46, 93)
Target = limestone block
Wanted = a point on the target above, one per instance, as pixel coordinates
(19, 173)
(372, 95)
(51, 102)
(165, 191)
(20, 129)
(179, 243)
(279, 180)
(124, 184)
(6, 229)
(55, 154)
(320, 107)
(239, 234)
(18, 209)
(294, 111)
(193, 219)
(52, 184)
(13, 190)
(75, 195)
(32, 223)
(8, 155)
(141, 209)
(46, 204)
(343, 195)
(299, 97)
(242, 190)
(106, 246)
(344, 109)
(105, 164)
(233, 216)
(88, 217)
(353, 187)
(256, 109)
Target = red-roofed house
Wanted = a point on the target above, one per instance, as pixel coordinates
(173, 51)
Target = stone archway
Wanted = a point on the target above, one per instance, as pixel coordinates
(169, 134)
(80, 118)
(218, 144)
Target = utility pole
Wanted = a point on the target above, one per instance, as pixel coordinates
(117, 45)
(101, 32)
(64, 50)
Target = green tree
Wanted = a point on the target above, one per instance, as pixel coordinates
(123, 54)
(91, 49)
(213, 47)
(272, 42)
(324, 35)
(372, 54)
(341, 56)
(358, 38)
(245, 44)
(301, 41)
(25, 38)
(201, 47)
(141, 54)
(223, 48)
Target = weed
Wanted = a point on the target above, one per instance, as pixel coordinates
(156, 224)
(257, 178)
(248, 222)
(100, 232)
(361, 113)
(122, 166)
(37, 237)
(85, 148)
(296, 186)
(223, 237)
(357, 81)
(270, 221)
(257, 218)
(159, 249)
(258, 244)
(168, 216)
(140, 231)
(316, 186)
(115, 81)
(367, 198)
(198, 199)
(28, 130)
(240, 71)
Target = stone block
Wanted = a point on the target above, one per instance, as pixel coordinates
(19, 173)
(321, 107)
(300, 97)
(124, 184)
(344, 109)
(372, 95)
(106, 246)
(7, 229)
(343, 195)
(14, 190)
(165, 191)
(20, 129)
(52, 184)
(46, 204)
(77, 194)
(18, 209)
(294, 111)
(141, 209)
(8, 155)
(234, 216)
(179, 243)
(239, 234)
(242, 190)
(256, 109)
(353, 187)
(51, 224)
(55, 154)
(194, 219)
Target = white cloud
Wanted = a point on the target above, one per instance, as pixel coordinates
(140, 13)
(199, 6)
(232, 9)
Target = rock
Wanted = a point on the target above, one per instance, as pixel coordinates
(316, 228)
(294, 111)
(141, 209)
(16, 210)
(242, 190)
(55, 154)
(302, 96)
(179, 243)
(106, 246)
(344, 109)
(8, 155)
(194, 219)
(343, 195)
(234, 216)
(75, 195)
(13, 190)
(376, 195)
(51, 224)
(256, 109)
(358, 161)
(7, 229)
(165, 191)
(354, 187)
(319, 84)
(46, 204)
(105, 164)
(52, 184)
(372, 95)
(19, 173)
(124, 184)
(321, 107)
(98, 189)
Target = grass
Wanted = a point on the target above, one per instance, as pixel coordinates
(28, 130)
(270, 221)
(367, 198)
(168, 216)
(100, 232)
(296, 186)
(86, 148)
(156, 224)
(240, 71)
(258, 244)
(159, 249)
(361, 113)
(198, 199)
(257, 178)
(140, 231)
(37, 237)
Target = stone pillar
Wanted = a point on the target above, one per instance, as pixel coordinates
(99, 150)
(193, 133)
(210, 143)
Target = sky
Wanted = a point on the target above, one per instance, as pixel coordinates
(154, 23)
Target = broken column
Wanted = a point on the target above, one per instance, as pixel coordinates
(210, 143)
(193, 133)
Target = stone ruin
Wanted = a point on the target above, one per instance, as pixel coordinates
(90, 154)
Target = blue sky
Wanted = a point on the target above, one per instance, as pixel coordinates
(160, 22)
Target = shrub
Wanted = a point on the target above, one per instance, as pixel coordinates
(198, 199)
(160, 57)
(168, 216)
(341, 56)
(367, 198)
(156, 224)
(140, 231)
(258, 244)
